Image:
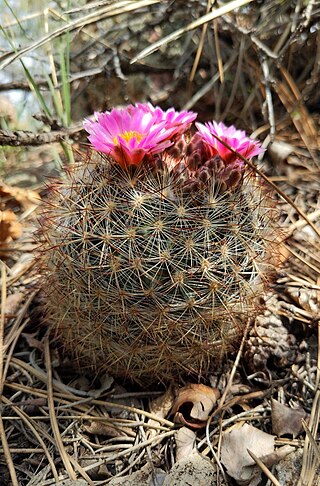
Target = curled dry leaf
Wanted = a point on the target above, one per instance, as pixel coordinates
(16, 196)
(10, 228)
(194, 404)
(286, 420)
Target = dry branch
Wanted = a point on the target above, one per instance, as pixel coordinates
(23, 137)
(126, 68)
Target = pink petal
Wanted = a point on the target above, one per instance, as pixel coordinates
(237, 140)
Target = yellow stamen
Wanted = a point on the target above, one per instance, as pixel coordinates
(127, 136)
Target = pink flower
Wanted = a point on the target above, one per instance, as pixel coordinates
(176, 120)
(129, 134)
(237, 139)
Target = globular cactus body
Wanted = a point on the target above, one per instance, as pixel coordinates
(154, 268)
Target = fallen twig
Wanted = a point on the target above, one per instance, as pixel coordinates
(23, 137)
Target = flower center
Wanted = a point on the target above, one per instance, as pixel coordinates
(127, 136)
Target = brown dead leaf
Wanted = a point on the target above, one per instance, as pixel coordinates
(10, 229)
(32, 341)
(193, 405)
(17, 196)
(286, 420)
(98, 428)
(234, 455)
(83, 383)
(160, 407)
(13, 303)
(185, 440)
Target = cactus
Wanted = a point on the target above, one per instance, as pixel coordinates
(156, 251)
